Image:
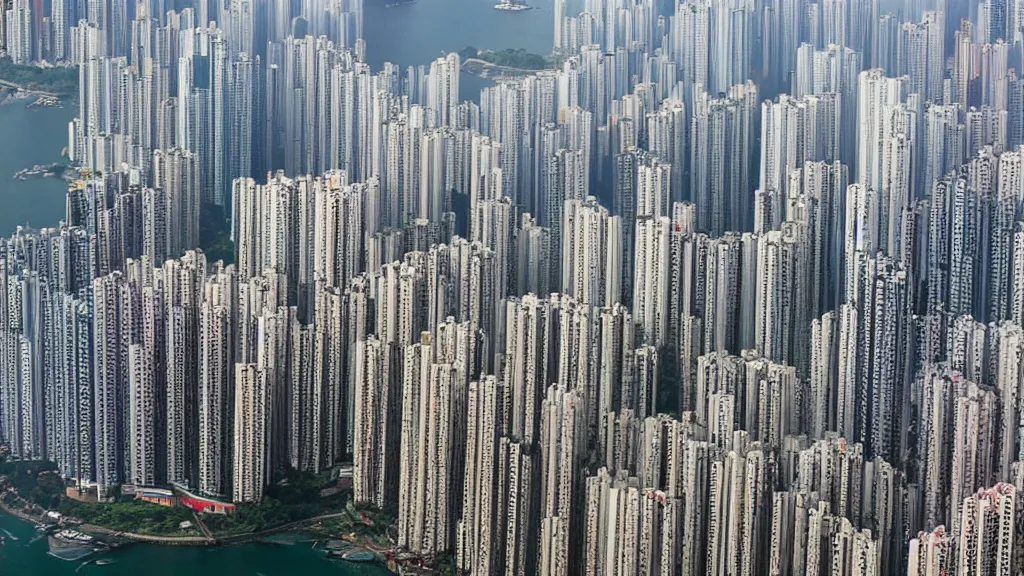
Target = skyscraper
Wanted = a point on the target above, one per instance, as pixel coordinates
(251, 435)
(721, 166)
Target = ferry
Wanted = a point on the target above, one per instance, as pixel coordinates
(512, 6)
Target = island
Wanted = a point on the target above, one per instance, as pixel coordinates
(507, 58)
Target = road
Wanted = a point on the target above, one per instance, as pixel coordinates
(202, 526)
(20, 88)
(172, 540)
(209, 539)
(282, 528)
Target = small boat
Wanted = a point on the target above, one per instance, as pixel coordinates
(104, 561)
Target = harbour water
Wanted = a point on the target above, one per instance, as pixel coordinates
(30, 136)
(419, 32)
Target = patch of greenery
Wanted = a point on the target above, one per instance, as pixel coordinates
(299, 493)
(294, 497)
(61, 80)
(37, 482)
(363, 521)
(133, 516)
(215, 234)
(511, 57)
(248, 518)
(444, 564)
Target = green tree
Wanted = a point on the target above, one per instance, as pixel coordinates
(61, 80)
(515, 58)
(214, 234)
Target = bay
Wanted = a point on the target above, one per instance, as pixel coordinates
(30, 136)
(418, 33)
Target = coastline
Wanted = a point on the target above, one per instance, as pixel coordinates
(39, 79)
(40, 100)
(40, 97)
(51, 509)
(20, 515)
(112, 540)
(10, 96)
(300, 551)
(491, 71)
(37, 201)
(118, 539)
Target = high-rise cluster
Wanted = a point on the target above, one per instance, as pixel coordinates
(736, 287)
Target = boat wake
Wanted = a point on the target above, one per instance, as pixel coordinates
(9, 535)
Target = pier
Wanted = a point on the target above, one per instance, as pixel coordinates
(45, 170)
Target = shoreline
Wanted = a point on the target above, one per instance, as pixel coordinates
(38, 98)
(112, 541)
(20, 515)
(491, 71)
(32, 101)
(488, 64)
(107, 534)
(105, 546)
